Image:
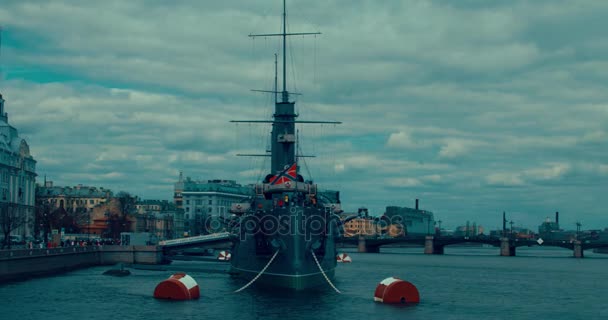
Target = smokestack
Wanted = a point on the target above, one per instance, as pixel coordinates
(557, 217)
(504, 224)
(416, 204)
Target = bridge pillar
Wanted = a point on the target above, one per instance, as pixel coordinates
(506, 248)
(578, 249)
(362, 246)
(430, 247)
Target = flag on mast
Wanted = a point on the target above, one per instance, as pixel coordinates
(289, 174)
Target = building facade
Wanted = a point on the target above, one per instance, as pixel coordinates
(17, 176)
(206, 202)
(72, 199)
(414, 220)
(156, 217)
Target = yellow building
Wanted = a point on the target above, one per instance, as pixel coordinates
(362, 227)
(72, 199)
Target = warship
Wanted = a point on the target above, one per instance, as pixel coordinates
(284, 236)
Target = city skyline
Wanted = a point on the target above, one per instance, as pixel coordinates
(474, 108)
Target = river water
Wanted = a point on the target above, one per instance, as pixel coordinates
(465, 283)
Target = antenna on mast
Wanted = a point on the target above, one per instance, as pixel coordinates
(284, 34)
(276, 88)
(1, 73)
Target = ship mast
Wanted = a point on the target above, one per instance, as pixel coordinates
(285, 95)
(283, 137)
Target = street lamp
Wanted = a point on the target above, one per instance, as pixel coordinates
(89, 225)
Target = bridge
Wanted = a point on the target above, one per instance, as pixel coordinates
(215, 241)
(434, 244)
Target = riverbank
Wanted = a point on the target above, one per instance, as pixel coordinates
(22, 264)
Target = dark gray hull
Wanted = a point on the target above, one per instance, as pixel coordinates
(294, 266)
(286, 281)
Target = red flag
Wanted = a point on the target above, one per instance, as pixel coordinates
(289, 174)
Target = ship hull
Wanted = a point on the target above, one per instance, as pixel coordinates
(302, 251)
(296, 282)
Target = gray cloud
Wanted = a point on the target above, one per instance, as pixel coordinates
(475, 107)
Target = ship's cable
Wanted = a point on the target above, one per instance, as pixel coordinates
(259, 274)
(323, 272)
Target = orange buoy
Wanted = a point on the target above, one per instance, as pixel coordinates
(224, 256)
(395, 290)
(344, 258)
(179, 286)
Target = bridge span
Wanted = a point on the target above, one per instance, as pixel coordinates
(432, 244)
(435, 244)
(215, 241)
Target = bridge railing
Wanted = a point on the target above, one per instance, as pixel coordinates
(203, 238)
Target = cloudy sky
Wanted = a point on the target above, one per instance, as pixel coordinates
(476, 107)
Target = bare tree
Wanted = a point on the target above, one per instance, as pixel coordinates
(48, 218)
(12, 218)
(120, 220)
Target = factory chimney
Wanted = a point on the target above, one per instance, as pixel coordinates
(416, 204)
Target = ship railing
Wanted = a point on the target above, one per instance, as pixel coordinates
(289, 186)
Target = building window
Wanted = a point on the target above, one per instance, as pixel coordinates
(91, 201)
(187, 201)
(210, 201)
(187, 209)
(210, 209)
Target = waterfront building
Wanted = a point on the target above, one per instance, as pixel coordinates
(79, 198)
(550, 230)
(205, 201)
(549, 226)
(108, 220)
(178, 199)
(155, 217)
(414, 221)
(361, 227)
(468, 230)
(17, 178)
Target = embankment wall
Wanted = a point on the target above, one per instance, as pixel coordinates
(26, 263)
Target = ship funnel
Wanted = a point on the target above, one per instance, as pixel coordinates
(416, 204)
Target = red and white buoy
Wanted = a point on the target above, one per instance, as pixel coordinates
(179, 286)
(343, 258)
(395, 290)
(224, 256)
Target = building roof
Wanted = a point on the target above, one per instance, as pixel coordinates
(219, 187)
(78, 191)
(163, 204)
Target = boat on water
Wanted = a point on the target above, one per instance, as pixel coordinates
(285, 235)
